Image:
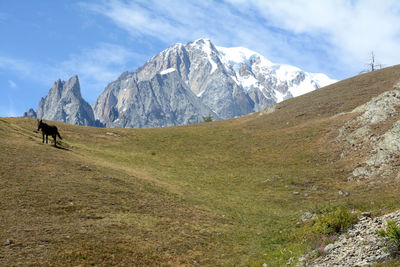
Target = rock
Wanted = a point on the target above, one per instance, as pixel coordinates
(30, 113)
(366, 214)
(329, 248)
(112, 134)
(65, 103)
(380, 149)
(307, 216)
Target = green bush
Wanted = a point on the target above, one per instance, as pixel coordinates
(392, 231)
(336, 221)
(209, 118)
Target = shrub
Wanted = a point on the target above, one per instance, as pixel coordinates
(335, 221)
(209, 118)
(392, 231)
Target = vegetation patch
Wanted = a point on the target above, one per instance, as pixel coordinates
(392, 231)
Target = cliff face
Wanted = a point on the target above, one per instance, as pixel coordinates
(64, 103)
(164, 100)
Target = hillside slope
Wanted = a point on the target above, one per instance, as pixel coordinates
(221, 193)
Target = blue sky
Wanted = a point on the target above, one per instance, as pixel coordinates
(43, 40)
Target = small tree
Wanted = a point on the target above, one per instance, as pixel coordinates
(372, 65)
(208, 118)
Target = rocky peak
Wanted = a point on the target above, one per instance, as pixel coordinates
(64, 102)
(30, 113)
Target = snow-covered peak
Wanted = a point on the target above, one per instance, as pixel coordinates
(208, 49)
(201, 41)
(240, 55)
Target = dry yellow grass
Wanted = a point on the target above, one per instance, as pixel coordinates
(219, 193)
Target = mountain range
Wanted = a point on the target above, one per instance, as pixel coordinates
(182, 85)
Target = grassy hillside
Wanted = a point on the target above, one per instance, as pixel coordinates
(220, 193)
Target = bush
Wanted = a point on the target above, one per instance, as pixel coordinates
(392, 231)
(334, 222)
(209, 118)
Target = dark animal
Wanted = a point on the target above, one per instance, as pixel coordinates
(48, 130)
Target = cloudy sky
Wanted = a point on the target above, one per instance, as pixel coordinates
(44, 40)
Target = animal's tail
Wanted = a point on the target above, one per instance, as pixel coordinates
(59, 135)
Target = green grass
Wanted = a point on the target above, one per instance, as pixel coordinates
(217, 193)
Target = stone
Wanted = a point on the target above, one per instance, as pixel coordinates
(306, 216)
(329, 248)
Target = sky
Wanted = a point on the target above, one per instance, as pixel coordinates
(46, 40)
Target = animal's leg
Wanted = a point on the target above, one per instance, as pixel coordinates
(43, 137)
(55, 140)
(47, 138)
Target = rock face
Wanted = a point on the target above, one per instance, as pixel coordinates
(30, 113)
(374, 137)
(65, 103)
(164, 100)
(209, 80)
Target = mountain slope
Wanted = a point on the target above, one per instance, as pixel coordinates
(223, 193)
(230, 82)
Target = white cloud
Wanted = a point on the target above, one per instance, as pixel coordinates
(329, 35)
(17, 65)
(95, 67)
(352, 28)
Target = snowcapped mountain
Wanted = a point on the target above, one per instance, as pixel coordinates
(276, 82)
(223, 82)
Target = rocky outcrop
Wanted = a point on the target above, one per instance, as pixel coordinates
(373, 136)
(223, 86)
(361, 245)
(30, 113)
(65, 103)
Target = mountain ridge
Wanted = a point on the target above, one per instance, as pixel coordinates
(229, 90)
(210, 80)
